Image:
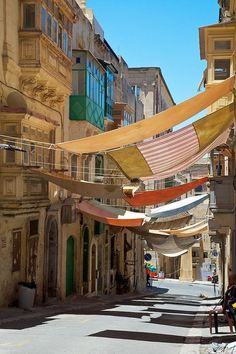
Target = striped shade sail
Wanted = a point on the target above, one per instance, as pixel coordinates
(173, 152)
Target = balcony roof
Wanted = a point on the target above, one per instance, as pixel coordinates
(216, 26)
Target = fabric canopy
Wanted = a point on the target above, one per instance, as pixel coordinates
(83, 188)
(176, 254)
(171, 245)
(152, 126)
(191, 161)
(177, 207)
(168, 245)
(174, 222)
(161, 155)
(120, 217)
(163, 195)
(110, 215)
(189, 230)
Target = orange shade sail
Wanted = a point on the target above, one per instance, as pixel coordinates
(110, 215)
(163, 195)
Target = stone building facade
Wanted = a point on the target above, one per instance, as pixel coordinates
(100, 87)
(35, 79)
(217, 47)
(60, 80)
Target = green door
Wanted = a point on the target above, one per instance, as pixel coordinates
(70, 266)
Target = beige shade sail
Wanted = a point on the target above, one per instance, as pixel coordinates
(176, 254)
(187, 231)
(83, 188)
(171, 245)
(150, 127)
(174, 222)
(190, 230)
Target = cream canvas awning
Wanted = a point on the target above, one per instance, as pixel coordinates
(171, 245)
(152, 126)
(80, 187)
(160, 234)
(190, 230)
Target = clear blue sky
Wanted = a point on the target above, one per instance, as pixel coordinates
(161, 33)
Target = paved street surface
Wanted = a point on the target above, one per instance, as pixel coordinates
(169, 317)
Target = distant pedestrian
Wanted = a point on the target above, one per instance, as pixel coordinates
(148, 284)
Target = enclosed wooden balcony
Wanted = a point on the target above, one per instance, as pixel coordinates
(45, 49)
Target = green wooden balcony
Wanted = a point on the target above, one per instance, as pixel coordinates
(84, 109)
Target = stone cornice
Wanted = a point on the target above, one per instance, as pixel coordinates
(24, 111)
(69, 8)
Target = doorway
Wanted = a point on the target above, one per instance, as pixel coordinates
(85, 259)
(52, 257)
(93, 269)
(70, 266)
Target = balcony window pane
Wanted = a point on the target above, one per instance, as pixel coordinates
(29, 16)
(65, 42)
(69, 47)
(74, 163)
(222, 45)
(44, 19)
(221, 69)
(49, 25)
(91, 87)
(55, 30)
(10, 156)
(60, 33)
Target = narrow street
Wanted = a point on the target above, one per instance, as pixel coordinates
(171, 316)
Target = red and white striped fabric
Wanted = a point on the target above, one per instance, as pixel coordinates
(185, 158)
(173, 152)
(182, 144)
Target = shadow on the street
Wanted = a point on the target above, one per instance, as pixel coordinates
(147, 336)
(176, 317)
(162, 338)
